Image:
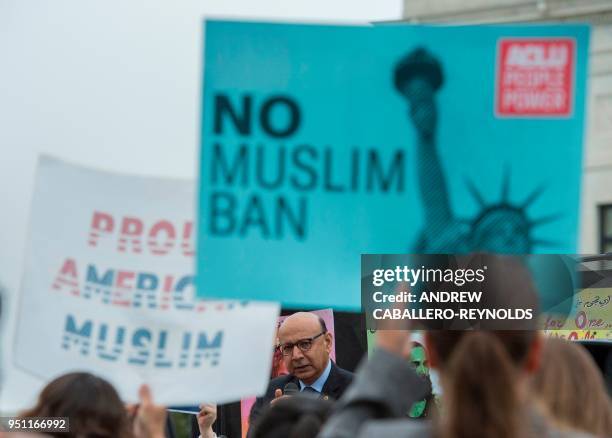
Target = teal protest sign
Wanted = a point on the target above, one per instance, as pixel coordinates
(320, 143)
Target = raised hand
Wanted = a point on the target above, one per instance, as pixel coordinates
(206, 418)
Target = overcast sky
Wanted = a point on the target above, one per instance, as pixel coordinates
(112, 84)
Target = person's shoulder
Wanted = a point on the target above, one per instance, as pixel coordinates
(342, 373)
(338, 381)
(398, 428)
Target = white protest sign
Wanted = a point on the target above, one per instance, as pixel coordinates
(108, 288)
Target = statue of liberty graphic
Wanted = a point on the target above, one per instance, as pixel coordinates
(499, 227)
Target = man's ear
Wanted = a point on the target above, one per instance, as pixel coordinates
(534, 355)
(329, 340)
(430, 352)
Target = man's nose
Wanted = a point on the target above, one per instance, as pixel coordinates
(297, 353)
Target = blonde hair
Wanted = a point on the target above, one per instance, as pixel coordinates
(571, 390)
(479, 372)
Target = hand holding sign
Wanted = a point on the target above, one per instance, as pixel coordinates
(206, 418)
(149, 418)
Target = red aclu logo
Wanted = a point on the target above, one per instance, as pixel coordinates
(535, 77)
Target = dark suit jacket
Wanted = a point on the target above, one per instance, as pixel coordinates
(333, 388)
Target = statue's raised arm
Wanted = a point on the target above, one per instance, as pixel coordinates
(417, 77)
(501, 227)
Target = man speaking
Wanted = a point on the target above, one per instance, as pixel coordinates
(305, 345)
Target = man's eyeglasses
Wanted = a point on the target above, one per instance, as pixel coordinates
(303, 344)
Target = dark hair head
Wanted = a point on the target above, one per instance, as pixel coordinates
(482, 371)
(479, 372)
(92, 405)
(298, 416)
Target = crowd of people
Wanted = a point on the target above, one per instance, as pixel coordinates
(501, 384)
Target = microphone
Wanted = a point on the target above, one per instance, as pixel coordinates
(291, 389)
